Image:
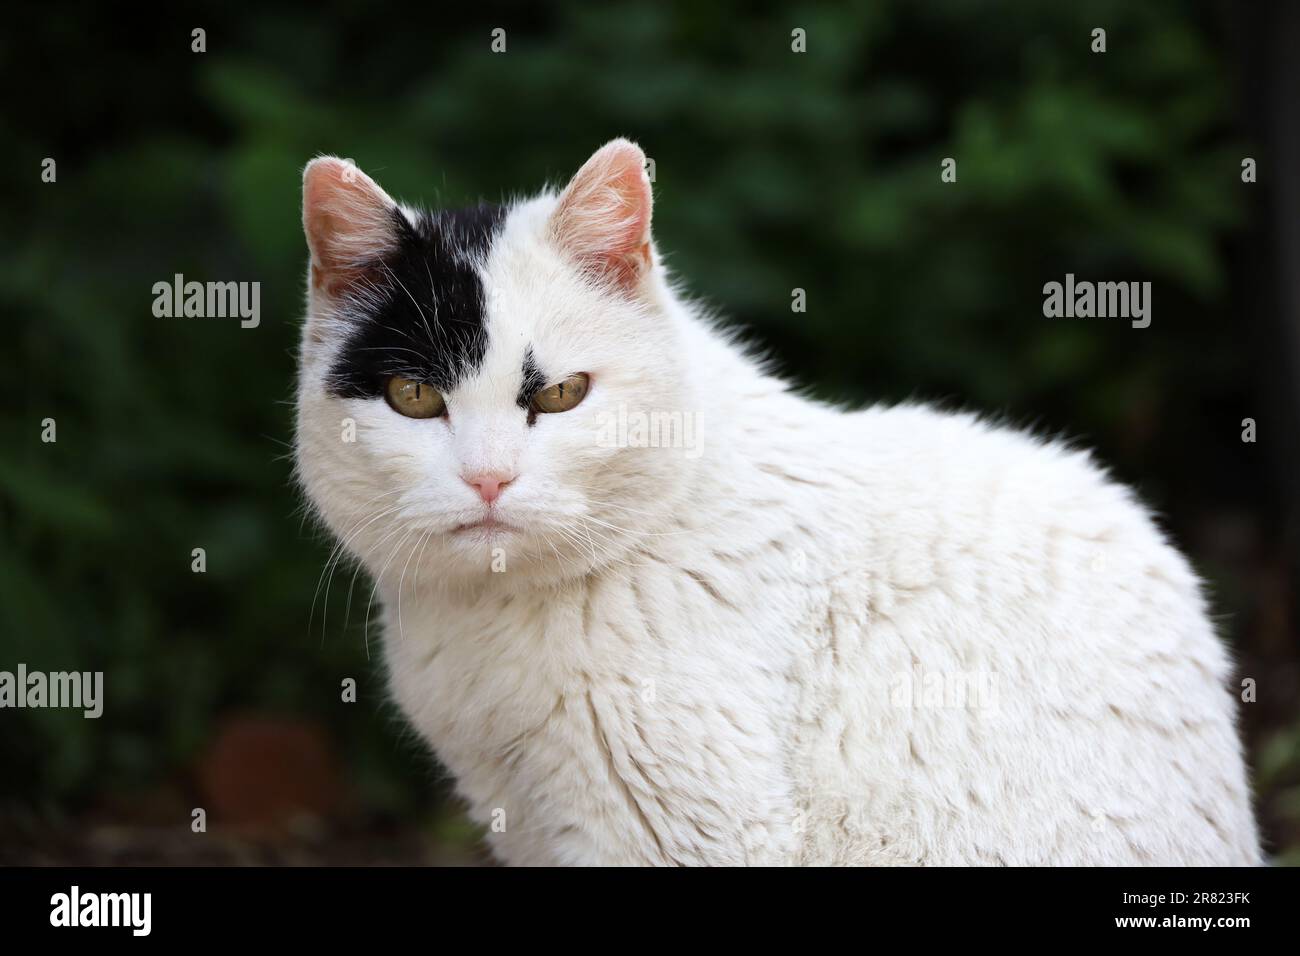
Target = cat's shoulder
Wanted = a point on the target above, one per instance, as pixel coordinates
(987, 469)
(963, 446)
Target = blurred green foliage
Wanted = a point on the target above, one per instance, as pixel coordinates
(773, 171)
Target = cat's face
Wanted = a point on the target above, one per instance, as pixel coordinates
(460, 372)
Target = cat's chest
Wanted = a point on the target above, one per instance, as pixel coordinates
(633, 701)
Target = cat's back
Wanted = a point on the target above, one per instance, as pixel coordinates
(984, 511)
(1018, 660)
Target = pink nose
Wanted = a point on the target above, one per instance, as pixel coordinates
(488, 486)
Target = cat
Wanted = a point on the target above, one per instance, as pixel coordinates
(806, 636)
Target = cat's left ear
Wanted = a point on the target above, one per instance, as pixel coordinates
(602, 220)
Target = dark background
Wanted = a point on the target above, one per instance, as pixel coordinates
(774, 170)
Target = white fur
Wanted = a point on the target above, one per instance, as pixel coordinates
(728, 657)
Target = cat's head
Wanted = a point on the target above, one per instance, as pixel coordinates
(464, 374)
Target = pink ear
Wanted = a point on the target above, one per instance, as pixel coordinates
(603, 217)
(348, 220)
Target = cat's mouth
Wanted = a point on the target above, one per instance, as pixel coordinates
(488, 525)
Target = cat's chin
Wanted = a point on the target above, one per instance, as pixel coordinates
(510, 556)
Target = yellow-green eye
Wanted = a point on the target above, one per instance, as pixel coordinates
(414, 399)
(562, 397)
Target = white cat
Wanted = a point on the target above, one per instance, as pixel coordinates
(651, 607)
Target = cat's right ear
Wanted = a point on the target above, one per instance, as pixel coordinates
(349, 221)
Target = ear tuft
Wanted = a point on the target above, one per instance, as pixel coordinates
(602, 220)
(348, 220)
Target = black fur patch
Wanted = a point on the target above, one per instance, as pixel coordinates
(427, 321)
(533, 381)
